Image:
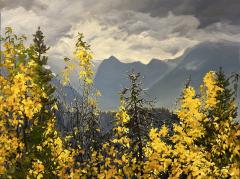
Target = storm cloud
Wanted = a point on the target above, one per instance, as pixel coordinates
(128, 29)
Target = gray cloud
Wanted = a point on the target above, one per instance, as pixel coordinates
(206, 11)
(136, 29)
(27, 4)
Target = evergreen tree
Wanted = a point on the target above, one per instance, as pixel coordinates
(138, 109)
(43, 75)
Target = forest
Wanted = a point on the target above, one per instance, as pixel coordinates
(46, 134)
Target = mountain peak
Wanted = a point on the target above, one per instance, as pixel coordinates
(113, 58)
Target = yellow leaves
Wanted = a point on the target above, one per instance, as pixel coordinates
(20, 100)
(179, 153)
(15, 122)
(39, 148)
(8, 46)
(164, 131)
(153, 133)
(54, 107)
(82, 74)
(88, 81)
(98, 93)
(37, 170)
(122, 115)
(157, 152)
(91, 101)
(81, 54)
(8, 147)
(191, 117)
(209, 82)
(66, 72)
(105, 145)
(29, 108)
(190, 128)
(195, 124)
(62, 157)
(188, 140)
(121, 130)
(190, 107)
(82, 61)
(234, 171)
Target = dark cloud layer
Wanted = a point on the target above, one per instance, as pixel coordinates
(129, 29)
(27, 4)
(207, 11)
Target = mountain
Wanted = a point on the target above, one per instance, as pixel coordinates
(165, 79)
(161, 79)
(111, 77)
(96, 64)
(194, 64)
(64, 94)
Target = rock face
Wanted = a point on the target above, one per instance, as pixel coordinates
(165, 79)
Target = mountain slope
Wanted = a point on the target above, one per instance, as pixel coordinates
(111, 77)
(162, 79)
(194, 64)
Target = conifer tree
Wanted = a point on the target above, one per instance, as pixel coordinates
(43, 74)
(137, 107)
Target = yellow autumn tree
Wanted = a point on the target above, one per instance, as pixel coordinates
(158, 153)
(188, 158)
(85, 131)
(116, 158)
(20, 102)
(205, 143)
(221, 139)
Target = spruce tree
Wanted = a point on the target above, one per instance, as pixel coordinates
(43, 75)
(138, 109)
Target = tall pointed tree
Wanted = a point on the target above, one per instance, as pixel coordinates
(42, 76)
(137, 107)
(43, 73)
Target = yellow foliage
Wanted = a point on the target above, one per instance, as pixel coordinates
(203, 144)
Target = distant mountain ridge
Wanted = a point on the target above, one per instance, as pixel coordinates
(195, 64)
(165, 79)
(111, 77)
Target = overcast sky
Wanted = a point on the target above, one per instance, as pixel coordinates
(128, 29)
